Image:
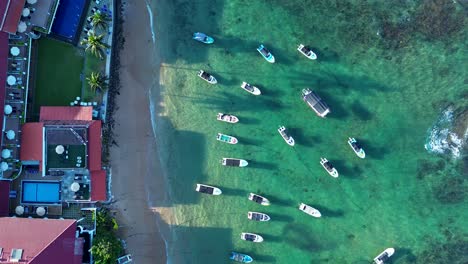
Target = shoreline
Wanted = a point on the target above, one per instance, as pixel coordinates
(138, 183)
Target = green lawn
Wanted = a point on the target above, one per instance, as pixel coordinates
(58, 73)
(92, 64)
(56, 161)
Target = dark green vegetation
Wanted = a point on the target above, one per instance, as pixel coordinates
(106, 246)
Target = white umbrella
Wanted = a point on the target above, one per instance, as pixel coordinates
(19, 210)
(10, 134)
(32, 2)
(40, 211)
(4, 166)
(75, 187)
(22, 27)
(11, 80)
(15, 51)
(8, 109)
(6, 153)
(26, 12)
(59, 149)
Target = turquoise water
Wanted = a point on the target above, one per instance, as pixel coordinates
(387, 79)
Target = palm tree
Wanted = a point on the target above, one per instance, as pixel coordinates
(97, 81)
(94, 44)
(99, 20)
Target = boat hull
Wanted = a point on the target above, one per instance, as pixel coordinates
(263, 218)
(288, 139)
(203, 38)
(270, 58)
(239, 257)
(311, 56)
(210, 80)
(361, 154)
(333, 172)
(380, 259)
(227, 139)
(259, 199)
(227, 118)
(216, 191)
(310, 210)
(258, 238)
(255, 91)
(233, 162)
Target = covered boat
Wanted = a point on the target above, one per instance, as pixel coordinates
(259, 199)
(329, 167)
(252, 237)
(315, 102)
(285, 135)
(309, 210)
(384, 256)
(307, 52)
(226, 139)
(266, 54)
(239, 257)
(232, 162)
(227, 118)
(202, 37)
(250, 88)
(356, 148)
(256, 216)
(207, 77)
(203, 188)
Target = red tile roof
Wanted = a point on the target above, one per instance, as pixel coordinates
(11, 15)
(4, 198)
(32, 141)
(66, 113)
(3, 69)
(44, 241)
(98, 185)
(94, 146)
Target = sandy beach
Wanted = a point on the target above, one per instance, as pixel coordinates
(137, 180)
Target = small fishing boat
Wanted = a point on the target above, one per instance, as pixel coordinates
(259, 199)
(256, 216)
(307, 52)
(227, 139)
(252, 237)
(202, 37)
(232, 162)
(266, 54)
(250, 88)
(284, 133)
(315, 102)
(385, 255)
(207, 77)
(203, 188)
(309, 210)
(356, 148)
(239, 257)
(227, 118)
(329, 167)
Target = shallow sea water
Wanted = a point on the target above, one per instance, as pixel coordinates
(388, 98)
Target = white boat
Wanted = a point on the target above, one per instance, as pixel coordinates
(227, 139)
(307, 52)
(266, 54)
(356, 148)
(259, 199)
(284, 134)
(207, 77)
(385, 255)
(252, 237)
(309, 210)
(203, 188)
(250, 88)
(315, 102)
(329, 167)
(227, 118)
(256, 216)
(232, 162)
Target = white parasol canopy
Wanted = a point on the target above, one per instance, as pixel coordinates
(22, 27)
(4, 166)
(15, 51)
(6, 153)
(10, 134)
(19, 210)
(11, 80)
(8, 109)
(75, 187)
(26, 12)
(40, 211)
(32, 2)
(59, 149)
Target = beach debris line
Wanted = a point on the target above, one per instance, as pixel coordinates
(207, 77)
(202, 37)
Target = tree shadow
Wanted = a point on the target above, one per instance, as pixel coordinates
(231, 81)
(325, 54)
(360, 111)
(281, 218)
(327, 212)
(263, 165)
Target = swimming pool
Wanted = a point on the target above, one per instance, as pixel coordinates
(41, 192)
(68, 19)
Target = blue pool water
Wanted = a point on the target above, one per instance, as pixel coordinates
(41, 192)
(68, 17)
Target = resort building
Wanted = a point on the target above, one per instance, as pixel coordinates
(40, 241)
